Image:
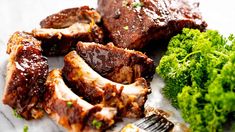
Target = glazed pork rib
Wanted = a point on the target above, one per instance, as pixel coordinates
(133, 23)
(60, 32)
(27, 70)
(117, 64)
(129, 99)
(71, 111)
(57, 42)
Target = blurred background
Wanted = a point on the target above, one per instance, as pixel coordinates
(26, 14)
(18, 15)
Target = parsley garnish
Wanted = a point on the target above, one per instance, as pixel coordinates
(26, 128)
(126, 27)
(96, 124)
(137, 4)
(92, 24)
(69, 104)
(16, 114)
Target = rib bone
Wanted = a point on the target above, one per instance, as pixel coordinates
(71, 111)
(61, 41)
(129, 99)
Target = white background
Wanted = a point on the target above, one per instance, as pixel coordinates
(18, 15)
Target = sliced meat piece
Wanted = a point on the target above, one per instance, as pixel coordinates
(68, 17)
(60, 32)
(129, 99)
(27, 70)
(117, 64)
(133, 23)
(71, 111)
(60, 41)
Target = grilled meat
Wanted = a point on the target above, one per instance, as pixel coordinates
(71, 111)
(68, 17)
(133, 23)
(60, 41)
(27, 70)
(60, 32)
(117, 64)
(129, 99)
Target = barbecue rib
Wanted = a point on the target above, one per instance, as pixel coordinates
(133, 23)
(117, 64)
(71, 111)
(27, 70)
(60, 32)
(129, 99)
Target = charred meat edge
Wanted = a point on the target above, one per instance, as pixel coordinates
(68, 17)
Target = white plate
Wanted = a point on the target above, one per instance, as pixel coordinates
(25, 15)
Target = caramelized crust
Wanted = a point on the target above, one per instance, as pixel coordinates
(68, 17)
(117, 64)
(133, 23)
(60, 41)
(60, 32)
(27, 70)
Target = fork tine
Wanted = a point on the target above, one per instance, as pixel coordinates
(148, 121)
(149, 124)
(157, 125)
(143, 120)
(164, 126)
(154, 123)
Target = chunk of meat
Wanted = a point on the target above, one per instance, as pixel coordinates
(133, 23)
(60, 41)
(71, 111)
(27, 70)
(61, 31)
(117, 64)
(129, 99)
(68, 17)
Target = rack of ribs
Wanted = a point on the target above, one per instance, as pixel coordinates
(72, 112)
(133, 23)
(117, 64)
(27, 70)
(128, 99)
(60, 32)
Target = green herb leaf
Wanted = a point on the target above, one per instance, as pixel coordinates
(69, 104)
(89, 30)
(137, 4)
(26, 128)
(16, 114)
(96, 124)
(126, 27)
(198, 70)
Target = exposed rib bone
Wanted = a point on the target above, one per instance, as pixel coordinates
(71, 111)
(61, 41)
(129, 99)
